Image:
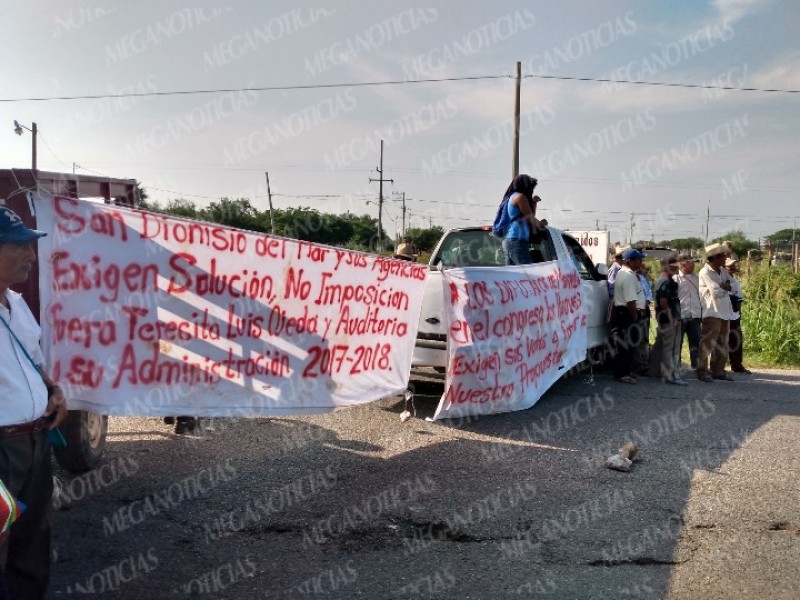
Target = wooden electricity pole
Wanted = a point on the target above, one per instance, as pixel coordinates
(515, 151)
(380, 181)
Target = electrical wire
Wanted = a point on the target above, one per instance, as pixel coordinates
(356, 84)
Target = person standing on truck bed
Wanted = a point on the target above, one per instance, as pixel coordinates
(30, 404)
(522, 212)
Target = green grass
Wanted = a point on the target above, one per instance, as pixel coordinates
(771, 317)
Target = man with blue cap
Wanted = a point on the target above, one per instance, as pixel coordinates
(30, 405)
(627, 315)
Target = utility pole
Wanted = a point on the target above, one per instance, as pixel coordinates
(269, 199)
(708, 217)
(630, 233)
(515, 150)
(380, 181)
(403, 200)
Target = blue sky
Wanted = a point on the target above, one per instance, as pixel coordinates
(601, 151)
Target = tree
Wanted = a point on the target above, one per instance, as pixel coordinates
(234, 213)
(425, 239)
(685, 244)
(181, 208)
(739, 242)
(782, 239)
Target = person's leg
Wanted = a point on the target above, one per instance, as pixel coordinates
(719, 354)
(735, 342)
(517, 252)
(641, 356)
(693, 333)
(622, 342)
(668, 334)
(676, 353)
(26, 470)
(709, 335)
(656, 354)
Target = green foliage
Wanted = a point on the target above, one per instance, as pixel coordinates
(782, 239)
(308, 224)
(234, 213)
(739, 242)
(688, 243)
(425, 239)
(181, 208)
(141, 193)
(771, 315)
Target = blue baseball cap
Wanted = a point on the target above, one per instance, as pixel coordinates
(13, 230)
(632, 254)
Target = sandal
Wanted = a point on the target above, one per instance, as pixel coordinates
(627, 379)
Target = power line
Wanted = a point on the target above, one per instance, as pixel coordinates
(273, 88)
(352, 84)
(701, 86)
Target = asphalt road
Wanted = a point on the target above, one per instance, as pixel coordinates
(357, 504)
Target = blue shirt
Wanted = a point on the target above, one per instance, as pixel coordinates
(520, 229)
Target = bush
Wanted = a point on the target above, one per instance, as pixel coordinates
(771, 316)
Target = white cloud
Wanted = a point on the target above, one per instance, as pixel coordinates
(735, 10)
(783, 73)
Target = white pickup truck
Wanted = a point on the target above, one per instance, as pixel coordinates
(477, 247)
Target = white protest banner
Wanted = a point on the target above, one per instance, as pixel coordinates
(150, 315)
(512, 332)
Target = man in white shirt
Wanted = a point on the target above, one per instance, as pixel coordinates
(627, 315)
(30, 405)
(715, 291)
(735, 337)
(691, 308)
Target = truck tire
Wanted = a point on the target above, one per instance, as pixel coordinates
(85, 433)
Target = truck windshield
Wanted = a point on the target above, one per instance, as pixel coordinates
(479, 248)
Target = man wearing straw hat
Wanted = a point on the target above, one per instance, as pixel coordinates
(715, 289)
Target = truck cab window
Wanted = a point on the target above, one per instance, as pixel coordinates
(580, 259)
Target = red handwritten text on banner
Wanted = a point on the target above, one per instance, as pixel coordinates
(148, 314)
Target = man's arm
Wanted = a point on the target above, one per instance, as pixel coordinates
(56, 402)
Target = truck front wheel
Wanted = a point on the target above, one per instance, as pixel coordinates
(85, 433)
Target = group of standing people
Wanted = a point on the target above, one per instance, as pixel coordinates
(704, 308)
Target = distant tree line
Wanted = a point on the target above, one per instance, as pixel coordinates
(357, 232)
